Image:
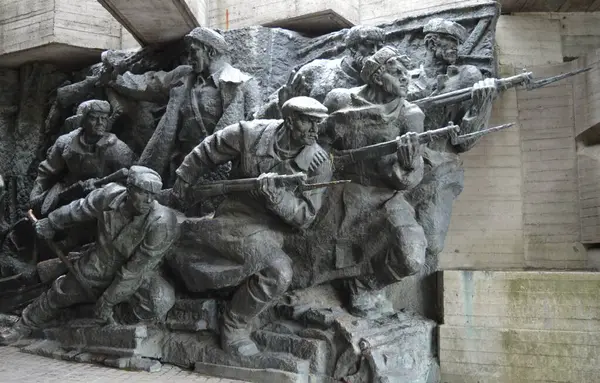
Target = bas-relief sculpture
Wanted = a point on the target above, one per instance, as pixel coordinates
(321, 185)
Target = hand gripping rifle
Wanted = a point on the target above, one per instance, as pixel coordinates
(212, 189)
(78, 190)
(464, 94)
(345, 157)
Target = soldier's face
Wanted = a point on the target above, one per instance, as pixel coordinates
(364, 50)
(305, 129)
(199, 57)
(95, 123)
(394, 78)
(447, 49)
(140, 199)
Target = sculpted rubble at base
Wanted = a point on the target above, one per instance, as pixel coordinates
(134, 234)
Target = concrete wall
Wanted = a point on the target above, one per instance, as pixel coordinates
(513, 327)
(60, 31)
(229, 14)
(520, 207)
(25, 24)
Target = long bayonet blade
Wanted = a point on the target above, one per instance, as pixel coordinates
(535, 84)
(485, 131)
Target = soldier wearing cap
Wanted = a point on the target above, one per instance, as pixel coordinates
(440, 73)
(203, 97)
(248, 229)
(374, 202)
(317, 78)
(134, 234)
(83, 155)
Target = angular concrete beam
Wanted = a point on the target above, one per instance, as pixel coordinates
(156, 21)
(313, 17)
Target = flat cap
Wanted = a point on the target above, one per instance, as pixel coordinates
(360, 33)
(144, 178)
(446, 27)
(304, 105)
(373, 63)
(208, 37)
(93, 106)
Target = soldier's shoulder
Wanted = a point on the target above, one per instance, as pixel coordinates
(413, 109)
(164, 215)
(258, 125)
(233, 75)
(66, 138)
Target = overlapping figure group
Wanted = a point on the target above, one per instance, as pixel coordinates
(350, 119)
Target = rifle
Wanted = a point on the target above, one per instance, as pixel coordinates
(86, 288)
(344, 157)
(212, 189)
(78, 190)
(464, 94)
(75, 93)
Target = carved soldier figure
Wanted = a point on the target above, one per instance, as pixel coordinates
(134, 234)
(317, 78)
(443, 180)
(83, 155)
(202, 98)
(248, 228)
(376, 216)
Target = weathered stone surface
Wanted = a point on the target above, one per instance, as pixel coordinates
(193, 315)
(109, 340)
(309, 349)
(134, 363)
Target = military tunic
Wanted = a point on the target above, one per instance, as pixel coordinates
(126, 254)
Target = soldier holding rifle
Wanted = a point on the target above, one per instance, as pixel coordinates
(134, 234)
(249, 227)
(79, 157)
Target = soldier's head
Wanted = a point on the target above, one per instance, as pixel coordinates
(387, 70)
(363, 41)
(302, 116)
(94, 118)
(142, 186)
(204, 47)
(442, 38)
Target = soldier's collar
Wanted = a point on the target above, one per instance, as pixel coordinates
(229, 74)
(267, 145)
(266, 142)
(107, 140)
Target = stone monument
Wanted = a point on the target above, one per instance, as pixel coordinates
(326, 169)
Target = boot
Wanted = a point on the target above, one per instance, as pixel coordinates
(235, 336)
(368, 303)
(15, 333)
